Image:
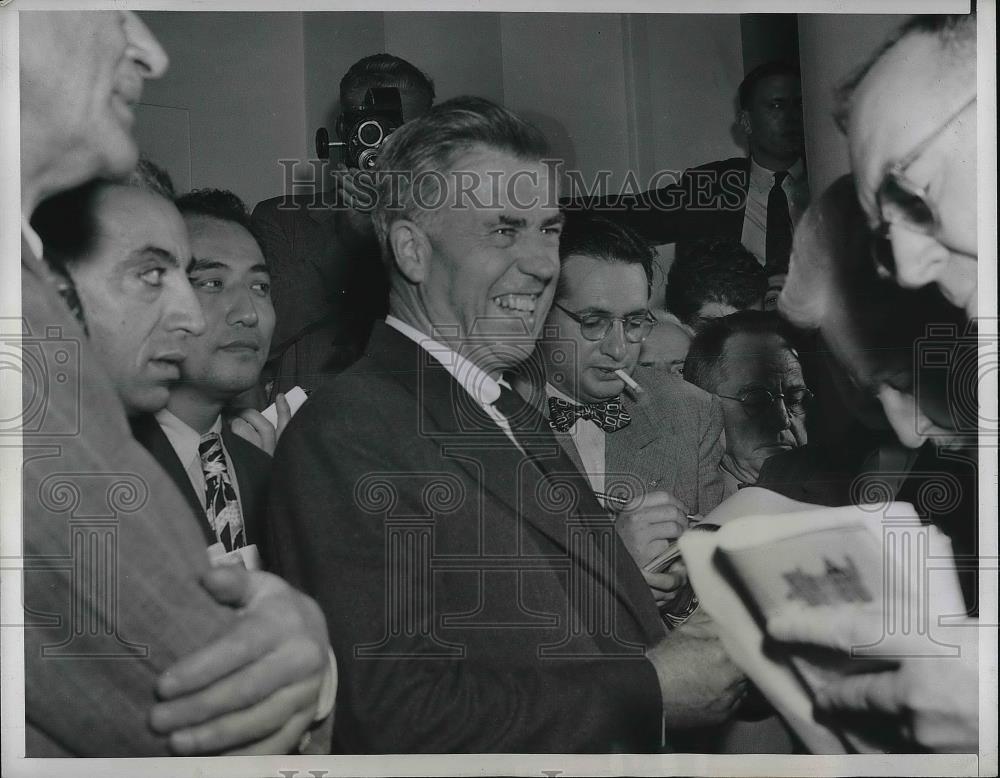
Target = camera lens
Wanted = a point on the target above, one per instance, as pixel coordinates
(370, 134)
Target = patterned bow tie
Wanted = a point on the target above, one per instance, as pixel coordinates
(609, 415)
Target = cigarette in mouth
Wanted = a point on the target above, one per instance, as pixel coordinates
(636, 389)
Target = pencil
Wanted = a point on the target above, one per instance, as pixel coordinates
(620, 502)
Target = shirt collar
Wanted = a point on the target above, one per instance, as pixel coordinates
(763, 177)
(472, 378)
(184, 439)
(31, 237)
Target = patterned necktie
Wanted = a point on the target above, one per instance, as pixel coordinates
(778, 238)
(221, 505)
(609, 415)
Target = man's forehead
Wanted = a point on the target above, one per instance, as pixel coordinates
(222, 240)
(909, 93)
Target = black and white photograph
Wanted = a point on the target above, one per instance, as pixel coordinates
(498, 389)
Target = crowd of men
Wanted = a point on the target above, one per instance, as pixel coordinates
(448, 547)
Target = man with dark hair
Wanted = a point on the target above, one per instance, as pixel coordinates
(713, 277)
(161, 660)
(329, 286)
(910, 117)
(748, 361)
(223, 477)
(756, 199)
(453, 545)
(660, 447)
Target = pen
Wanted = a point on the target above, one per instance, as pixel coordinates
(621, 501)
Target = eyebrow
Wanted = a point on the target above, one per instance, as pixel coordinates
(198, 265)
(159, 253)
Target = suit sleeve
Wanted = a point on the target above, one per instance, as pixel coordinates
(711, 483)
(398, 692)
(112, 562)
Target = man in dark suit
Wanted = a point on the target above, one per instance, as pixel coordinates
(216, 469)
(455, 549)
(660, 445)
(329, 282)
(197, 641)
(755, 199)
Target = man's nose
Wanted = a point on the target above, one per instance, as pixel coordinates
(143, 48)
(243, 310)
(614, 344)
(184, 311)
(539, 260)
(920, 259)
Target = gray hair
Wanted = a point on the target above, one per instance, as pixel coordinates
(414, 160)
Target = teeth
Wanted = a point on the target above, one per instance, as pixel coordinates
(517, 302)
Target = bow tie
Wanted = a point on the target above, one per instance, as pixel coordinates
(609, 415)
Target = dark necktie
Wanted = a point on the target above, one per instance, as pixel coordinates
(778, 238)
(609, 415)
(221, 505)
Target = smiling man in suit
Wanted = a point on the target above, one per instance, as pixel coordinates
(661, 445)
(454, 547)
(223, 476)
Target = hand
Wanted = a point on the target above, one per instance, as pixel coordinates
(254, 690)
(647, 524)
(355, 188)
(666, 586)
(699, 684)
(932, 702)
(252, 426)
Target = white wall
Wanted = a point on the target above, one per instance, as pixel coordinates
(239, 76)
(831, 47)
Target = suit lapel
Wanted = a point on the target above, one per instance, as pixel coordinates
(147, 431)
(491, 459)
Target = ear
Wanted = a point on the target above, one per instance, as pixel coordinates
(745, 124)
(411, 246)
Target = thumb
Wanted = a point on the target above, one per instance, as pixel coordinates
(229, 585)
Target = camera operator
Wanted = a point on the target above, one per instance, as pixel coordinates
(328, 282)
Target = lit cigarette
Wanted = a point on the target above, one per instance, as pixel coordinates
(628, 381)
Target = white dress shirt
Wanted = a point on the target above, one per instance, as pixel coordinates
(589, 440)
(472, 378)
(796, 188)
(185, 442)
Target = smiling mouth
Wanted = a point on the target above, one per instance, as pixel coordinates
(520, 303)
(241, 346)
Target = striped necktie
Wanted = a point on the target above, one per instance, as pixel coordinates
(221, 505)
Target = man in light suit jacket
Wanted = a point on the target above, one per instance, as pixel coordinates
(453, 546)
(659, 446)
(175, 629)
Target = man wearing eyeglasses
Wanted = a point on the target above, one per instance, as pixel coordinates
(659, 446)
(912, 134)
(748, 362)
(910, 116)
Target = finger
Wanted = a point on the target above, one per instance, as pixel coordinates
(668, 583)
(261, 426)
(231, 585)
(284, 415)
(877, 692)
(245, 431)
(284, 741)
(292, 662)
(245, 727)
(242, 645)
